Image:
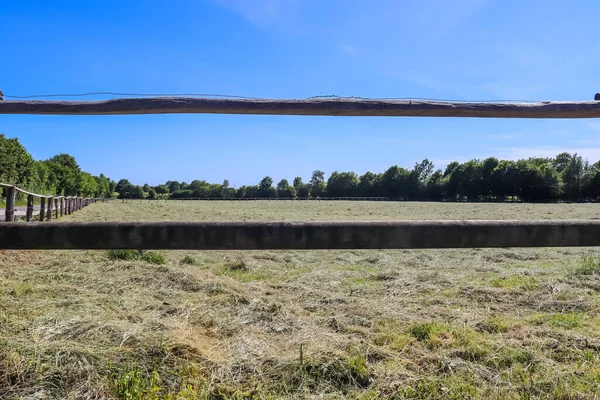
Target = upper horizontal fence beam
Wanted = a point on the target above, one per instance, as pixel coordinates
(300, 235)
(309, 107)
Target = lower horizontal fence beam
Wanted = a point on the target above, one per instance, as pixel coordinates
(300, 235)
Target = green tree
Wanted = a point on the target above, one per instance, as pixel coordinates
(137, 192)
(395, 182)
(303, 191)
(561, 161)
(574, 174)
(65, 174)
(173, 186)
(17, 166)
(252, 192)
(487, 174)
(227, 191)
(317, 183)
(423, 171)
(470, 179)
(284, 190)
(505, 180)
(369, 185)
(124, 188)
(537, 183)
(451, 176)
(342, 184)
(161, 189)
(434, 187)
(297, 182)
(88, 186)
(104, 186)
(41, 181)
(266, 189)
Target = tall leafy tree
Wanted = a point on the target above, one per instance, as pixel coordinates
(173, 186)
(17, 167)
(317, 183)
(574, 174)
(285, 190)
(369, 185)
(297, 182)
(65, 174)
(266, 189)
(342, 184)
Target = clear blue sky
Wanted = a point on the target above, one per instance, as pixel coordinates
(465, 49)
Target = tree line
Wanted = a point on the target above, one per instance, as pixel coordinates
(59, 175)
(563, 177)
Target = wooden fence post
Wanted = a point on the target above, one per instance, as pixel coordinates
(56, 207)
(9, 214)
(62, 206)
(68, 199)
(42, 208)
(50, 208)
(29, 214)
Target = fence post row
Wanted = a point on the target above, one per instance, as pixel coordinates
(57, 206)
(9, 215)
(29, 214)
(50, 207)
(42, 208)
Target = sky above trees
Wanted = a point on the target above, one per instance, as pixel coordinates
(467, 50)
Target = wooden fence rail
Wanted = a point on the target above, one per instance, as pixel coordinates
(282, 235)
(54, 208)
(300, 235)
(310, 107)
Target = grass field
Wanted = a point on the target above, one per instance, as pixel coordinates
(452, 324)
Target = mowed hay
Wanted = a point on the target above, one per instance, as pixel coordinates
(453, 324)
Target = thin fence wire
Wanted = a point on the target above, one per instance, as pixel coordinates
(229, 96)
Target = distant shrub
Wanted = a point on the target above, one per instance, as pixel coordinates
(154, 257)
(238, 264)
(128, 255)
(589, 265)
(187, 260)
(151, 257)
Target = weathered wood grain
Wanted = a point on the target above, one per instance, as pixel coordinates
(29, 214)
(42, 208)
(9, 213)
(315, 107)
(50, 208)
(300, 235)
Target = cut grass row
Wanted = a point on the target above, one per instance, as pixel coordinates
(452, 324)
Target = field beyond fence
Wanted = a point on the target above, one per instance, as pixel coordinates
(455, 323)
